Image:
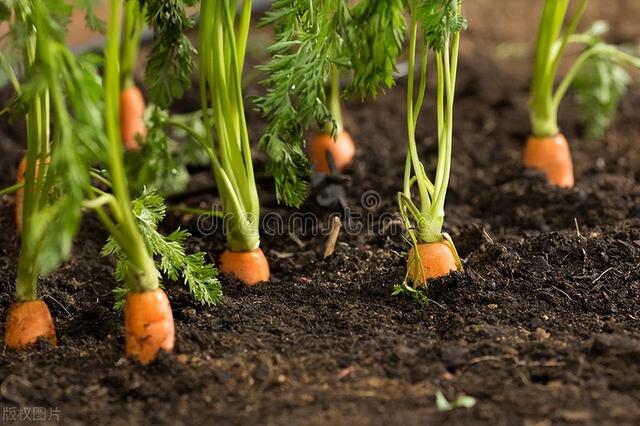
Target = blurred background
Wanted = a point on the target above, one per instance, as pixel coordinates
(490, 21)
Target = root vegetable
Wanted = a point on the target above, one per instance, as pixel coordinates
(552, 157)
(27, 322)
(250, 267)
(434, 260)
(342, 150)
(132, 127)
(148, 325)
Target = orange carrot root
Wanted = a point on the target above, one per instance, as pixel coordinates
(26, 323)
(552, 157)
(250, 267)
(132, 107)
(148, 325)
(342, 149)
(436, 260)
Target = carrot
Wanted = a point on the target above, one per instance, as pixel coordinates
(250, 267)
(148, 325)
(132, 109)
(551, 156)
(27, 322)
(342, 149)
(22, 169)
(437, 260)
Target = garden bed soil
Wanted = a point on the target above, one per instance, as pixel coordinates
(541, 328)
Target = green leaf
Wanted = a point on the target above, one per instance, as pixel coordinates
(171, 257)
(420, 294)
(375, 43)
(5, 11)
(91, 20)
(598, 88)
(440, 19)
(161, 163)
(77, 133)
(170, 64)
(463, 401)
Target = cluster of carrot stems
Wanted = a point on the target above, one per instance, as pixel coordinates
(121, 224)
(428, 219)
(222, 50)
(552, 42)
(38, 150)
(41, 165)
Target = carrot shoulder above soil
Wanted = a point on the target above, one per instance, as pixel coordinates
(597, 69)
(328, 150)
(132, 125)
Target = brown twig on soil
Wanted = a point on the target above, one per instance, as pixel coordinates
(336, 224)
(575, 220)
(297, 240)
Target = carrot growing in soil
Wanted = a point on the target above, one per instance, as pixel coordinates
(132, 105)
(372, 43)
(222, 131)
(60, 99)
(149, 325)
(161, 162)
(547, 150)
(309, 50)
(134, 237)
(315, 43)
(438, 24)
(332, 145)
(223, 41)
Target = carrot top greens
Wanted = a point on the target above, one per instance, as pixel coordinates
(132, 33)
(223, 40)
(170, 64)
(599, 84)
(374, 42)
(309, 43)
(60, 95)
(315, 43)
(440, 22)
(597, 64)
(132, 225)
(200, 277)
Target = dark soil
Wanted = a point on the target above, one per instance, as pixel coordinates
(541, 328)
